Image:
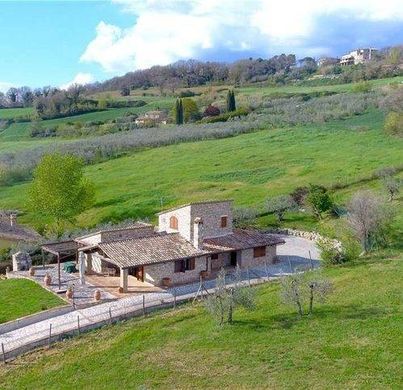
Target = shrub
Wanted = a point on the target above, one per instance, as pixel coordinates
(362, 86)
(299, 195)
(394, 123)
(227, 116)
(319, 200)
(333, 254)
(211, 111)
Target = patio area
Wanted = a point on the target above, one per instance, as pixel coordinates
(111, 285)
(83, 294)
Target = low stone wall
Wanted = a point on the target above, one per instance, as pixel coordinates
(311, 236)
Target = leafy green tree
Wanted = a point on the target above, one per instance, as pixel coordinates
(190, 110)
(59, 191)
(319, 200)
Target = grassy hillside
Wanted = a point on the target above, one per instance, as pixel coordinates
(352, 341)
(247, 168)
(21, 297)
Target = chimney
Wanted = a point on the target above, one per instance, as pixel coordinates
(13, 219)
(198, 233)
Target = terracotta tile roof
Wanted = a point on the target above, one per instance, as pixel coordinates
(61, 247)
(240, 239)
(135, 225)
(154, 249)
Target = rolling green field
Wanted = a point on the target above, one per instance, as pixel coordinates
(352, 341)
(21, 297)
(20, 131)
(247, 168)
(9, 113)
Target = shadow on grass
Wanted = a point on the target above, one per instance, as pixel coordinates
(289, 320)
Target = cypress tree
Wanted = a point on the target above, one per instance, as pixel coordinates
(177, 112)
(233, 104)
(229, 101)
(181, 113)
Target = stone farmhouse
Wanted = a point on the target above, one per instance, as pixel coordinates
(358, 56)
(191, 241)
(152, 118)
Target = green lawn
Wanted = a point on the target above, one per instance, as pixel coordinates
(352, 341)
(21, 297)
(9, 113)
(247, 168)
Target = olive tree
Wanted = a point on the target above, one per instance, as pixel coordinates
(223, 301)
(279, 205)
(303, 289)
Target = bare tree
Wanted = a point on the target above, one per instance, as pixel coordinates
(369, 218)
(291, 291)
(302, 289)
(222, 303)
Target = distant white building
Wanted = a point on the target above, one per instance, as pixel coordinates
(358, 56)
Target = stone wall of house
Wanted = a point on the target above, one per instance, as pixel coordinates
(184, 222)
(209, 212)
(222, 261)
(154, 273)
(128, 233)
(247, 259)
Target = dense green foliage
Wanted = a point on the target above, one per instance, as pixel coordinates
(353, 340)
(59, 191)
(21, 297)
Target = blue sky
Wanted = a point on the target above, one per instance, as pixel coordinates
(57, 42)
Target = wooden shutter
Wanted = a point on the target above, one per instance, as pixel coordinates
(192, 262)
(179, 266)
(173, 222)
(259, 251)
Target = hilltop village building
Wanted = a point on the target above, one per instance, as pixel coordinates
(358, 56)
(191, 241)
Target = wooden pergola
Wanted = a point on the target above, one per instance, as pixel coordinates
(61, 250)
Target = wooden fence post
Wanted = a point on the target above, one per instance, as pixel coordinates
(4, 353)
(267, 269)
(110, 315)
(310, 260)
(144, 305)
(174, 298)
(247, 270)
(78, 324)
(50, 334)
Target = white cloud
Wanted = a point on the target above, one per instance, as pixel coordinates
(169, 30)
(5, 86)
(80, 79)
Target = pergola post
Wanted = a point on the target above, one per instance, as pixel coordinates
(124, 275)
(58, 271)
